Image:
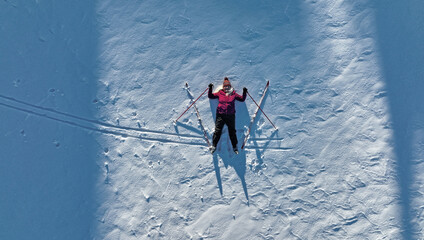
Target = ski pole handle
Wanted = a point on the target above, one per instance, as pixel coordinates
(262, 111)
(191, 104)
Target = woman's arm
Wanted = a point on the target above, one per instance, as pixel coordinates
(210, 94)
(241, 98)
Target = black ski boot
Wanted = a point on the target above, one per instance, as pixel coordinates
(213, 149)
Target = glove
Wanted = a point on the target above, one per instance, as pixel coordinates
(244, 89)
(210, 85)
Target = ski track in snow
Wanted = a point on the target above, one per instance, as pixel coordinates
(113, 129)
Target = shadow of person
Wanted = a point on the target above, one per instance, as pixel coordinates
(239, 165)
(235, 161)
(217, 172)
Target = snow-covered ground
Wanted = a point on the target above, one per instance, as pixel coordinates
(90, 89)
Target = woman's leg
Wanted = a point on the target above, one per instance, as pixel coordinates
(219, 124)
(231, 123)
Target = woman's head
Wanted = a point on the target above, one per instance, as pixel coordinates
(226, 84)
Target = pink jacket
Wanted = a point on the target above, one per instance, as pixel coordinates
(226, 103)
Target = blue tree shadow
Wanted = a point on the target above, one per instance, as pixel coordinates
(47, 169)
(400, 29)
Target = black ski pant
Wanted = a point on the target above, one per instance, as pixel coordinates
(230, 121)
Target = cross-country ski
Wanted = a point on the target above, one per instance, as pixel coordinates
(254, 115)
(199, 119)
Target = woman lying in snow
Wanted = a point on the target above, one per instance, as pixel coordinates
(226, 112)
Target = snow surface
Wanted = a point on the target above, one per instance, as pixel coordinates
(90, 89)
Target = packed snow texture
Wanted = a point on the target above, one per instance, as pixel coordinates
(90, 91)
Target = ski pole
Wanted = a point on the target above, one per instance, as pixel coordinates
(191, 104)
(262, 111)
